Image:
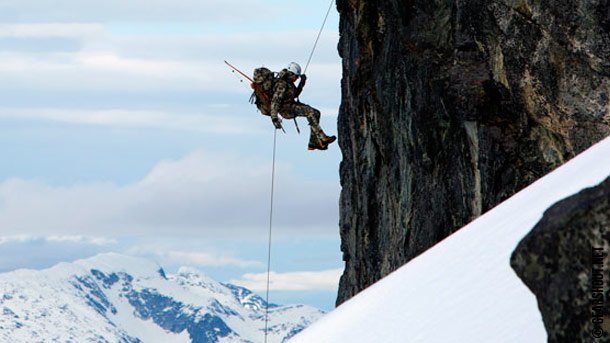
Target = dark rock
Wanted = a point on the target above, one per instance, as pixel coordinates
(249, 299)
(93, 294)
(108, 280)
(162, 273)
(450, 106)
(175, 316)
(558, 261)
(210, 329)
(297, 329)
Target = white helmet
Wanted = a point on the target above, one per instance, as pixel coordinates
(295, 68)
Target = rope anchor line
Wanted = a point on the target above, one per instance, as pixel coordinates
(270, 228)
(318, 37)
(315, 44)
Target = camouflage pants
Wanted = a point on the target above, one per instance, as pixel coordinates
(297, 109)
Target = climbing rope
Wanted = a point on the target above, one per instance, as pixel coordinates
(315, 44)
(318, 37)
(270, 227)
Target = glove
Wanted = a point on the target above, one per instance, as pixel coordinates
(276, 122)
(303, 78)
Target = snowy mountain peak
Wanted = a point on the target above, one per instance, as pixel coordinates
(194, 277)
(113, 263)
(119, 298)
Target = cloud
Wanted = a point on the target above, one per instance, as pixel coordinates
(46, 30)
(91, 57)
(207, 259)
(194, 258)
(159, 75)
(261, 47)
(101, 241)
(219, 195)
(187, 251)
(121, 118)
(43, 251)
(273, 49)
(215, 11)
(325, 280)
(49, 40)
(28, 251)
(106, 71)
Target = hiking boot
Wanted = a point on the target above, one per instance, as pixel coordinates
(318, 146)
(328, 140)
(323, 144)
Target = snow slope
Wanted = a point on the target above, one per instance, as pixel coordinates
(117, 298)
(463, 289)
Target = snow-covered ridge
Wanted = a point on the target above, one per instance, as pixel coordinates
(463, 289)
(117, 298)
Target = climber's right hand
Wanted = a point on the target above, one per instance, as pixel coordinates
(277, 122)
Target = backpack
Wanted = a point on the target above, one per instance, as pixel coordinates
(264, 81)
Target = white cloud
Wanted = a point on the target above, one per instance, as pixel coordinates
(273, 49)
(100, 241)
(106, 71)
(178, 253)
(18, 239)
(106, 60)
(223, 196)
(40, 30)
(120, 118)
(231, 11)
(82, 239)
(38, 251)
(206, 259)
(144, 66)
(325, 280)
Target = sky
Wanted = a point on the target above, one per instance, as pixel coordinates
(123, 130)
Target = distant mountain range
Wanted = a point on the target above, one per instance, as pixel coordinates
(118, 298)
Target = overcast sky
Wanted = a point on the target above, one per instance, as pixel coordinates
(122, 130)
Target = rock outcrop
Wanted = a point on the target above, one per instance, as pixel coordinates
(565, 262)
(451, 106)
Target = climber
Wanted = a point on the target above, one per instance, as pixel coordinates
(283, 102)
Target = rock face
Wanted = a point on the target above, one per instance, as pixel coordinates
(451, 106)
(565, 262)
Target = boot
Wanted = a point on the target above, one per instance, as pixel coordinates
(328, 140)
(315, 143)
(317, 147)
(325, 140)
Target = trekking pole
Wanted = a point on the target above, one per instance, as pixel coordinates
(239, 71)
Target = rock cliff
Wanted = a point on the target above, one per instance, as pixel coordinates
(565, 262)
(451, 106)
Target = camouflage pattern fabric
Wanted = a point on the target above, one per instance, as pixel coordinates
(298, 109)
(283, 103)
(263, 89)
(284, 92)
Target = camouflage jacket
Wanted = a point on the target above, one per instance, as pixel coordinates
(284, 92)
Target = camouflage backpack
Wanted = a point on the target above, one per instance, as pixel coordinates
(264, 80)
